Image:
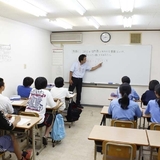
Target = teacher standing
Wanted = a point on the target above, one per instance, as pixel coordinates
(76, 75)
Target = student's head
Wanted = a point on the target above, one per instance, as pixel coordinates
(152, 84)
(157, 91)
(27, 81)
(125, 79)
(40, 83)
(2, 86)
(125, 90)
(82, 58)
(59, 82)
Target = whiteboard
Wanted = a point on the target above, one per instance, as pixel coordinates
(133, 61)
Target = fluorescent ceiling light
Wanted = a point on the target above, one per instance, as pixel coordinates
(93, 22)
(78, 7)
(127, 22)
(26, 7)
(127, 5)
(61, 23)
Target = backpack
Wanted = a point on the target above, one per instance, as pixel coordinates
(58, 130)
(73, 112)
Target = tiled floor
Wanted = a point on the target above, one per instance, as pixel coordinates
(76, 145)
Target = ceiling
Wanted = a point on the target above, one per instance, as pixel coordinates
(146, 15)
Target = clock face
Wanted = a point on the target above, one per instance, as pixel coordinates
(105, 37)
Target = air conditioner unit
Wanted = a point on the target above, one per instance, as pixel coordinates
(66, 37)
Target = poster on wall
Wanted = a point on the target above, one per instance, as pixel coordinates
(5, 53)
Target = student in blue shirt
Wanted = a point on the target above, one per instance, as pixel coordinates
(149, 94)
(25, 89)
(124, 108)
(133, 95)
(153, 107)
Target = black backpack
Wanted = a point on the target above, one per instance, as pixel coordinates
(73, 112)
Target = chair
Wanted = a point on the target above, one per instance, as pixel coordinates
(33, 114)
(124, 124)
(116, 123)
(157, 156)
(118, 151)
(2, 156)
(155, 126)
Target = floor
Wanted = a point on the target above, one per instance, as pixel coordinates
(76, 145)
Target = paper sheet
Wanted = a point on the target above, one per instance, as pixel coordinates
(19, 102)
(21, 122)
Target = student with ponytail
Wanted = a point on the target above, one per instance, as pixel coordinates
(124, 108)
(153, 107)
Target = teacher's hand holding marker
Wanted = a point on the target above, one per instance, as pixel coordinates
(76, 74)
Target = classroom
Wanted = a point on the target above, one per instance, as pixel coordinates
(28, 48)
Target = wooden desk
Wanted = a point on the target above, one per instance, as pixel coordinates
(144, 116)
(19, 103)
(70, 98)
(23, 103)
(118, 134)
(32, 121)
(72, 95)
(153, 138)
(111, 98)
(104, 111)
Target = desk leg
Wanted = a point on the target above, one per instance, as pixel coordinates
(144, 119)
(95, 151)
(140, 152)
(33, 142)
(140, 122)
(151, 153)
(103, 121)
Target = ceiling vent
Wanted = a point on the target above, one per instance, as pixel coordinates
(135, 38)
(66, 37)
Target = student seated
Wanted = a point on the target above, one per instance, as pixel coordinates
(25, 89)
(133, 95)
(58, 92)
(9, 142)
(149, 94)
(124, 108)
(153, 107)
(38, 100)
(5, 103)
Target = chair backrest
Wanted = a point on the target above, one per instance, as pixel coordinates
(124, 124)
(59, 105)
(155, 126)
(118, 151)
(159, 154)
(32, 114)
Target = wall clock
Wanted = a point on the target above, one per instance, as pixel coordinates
(105, 37)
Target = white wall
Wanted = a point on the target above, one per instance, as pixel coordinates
(99, 96)
(30, 47)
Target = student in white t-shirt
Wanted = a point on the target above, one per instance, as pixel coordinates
(5, 103)
(38, 100)
(58, 92)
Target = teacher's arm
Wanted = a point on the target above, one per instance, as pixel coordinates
(96, 67)
(70, 78)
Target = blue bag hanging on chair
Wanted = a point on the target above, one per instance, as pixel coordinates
(58, 129)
